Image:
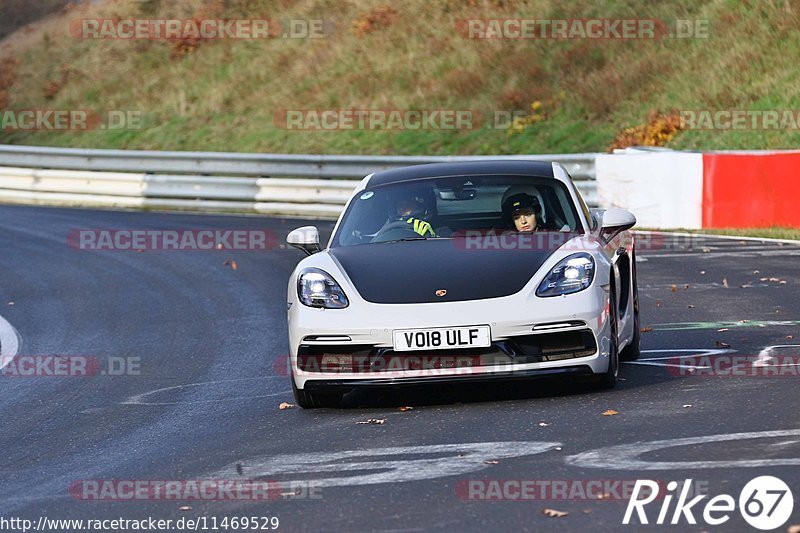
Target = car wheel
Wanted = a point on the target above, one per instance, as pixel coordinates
(312, 400)
(609, 379)
(632, 351)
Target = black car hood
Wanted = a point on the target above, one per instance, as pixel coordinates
(412, 271)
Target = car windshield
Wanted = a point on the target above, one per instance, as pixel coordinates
(436, 208)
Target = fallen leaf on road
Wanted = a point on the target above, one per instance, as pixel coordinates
(239, 469)
(492, 462)
(674, 288)
(774, 279)
(543, 424)
(185, 508)
(790, 337)
(686, 287)
(658, 303)
(706, 250)
(646, 330)
(690, 306)
(552, 513)
(406, 408)
(702, 272)
(720, 344)
(725, 282)
(285, 405)
(687, 406)
(373, 421)
(722, 329)
(743, 321)
(10, 303)
(762, 325)
(297, 492)
(558, 448)
(230, 263)
(756, 272)
(610, 412)
(794, 529)
(587, 511)
(782, 282)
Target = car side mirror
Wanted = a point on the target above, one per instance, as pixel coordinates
(615, 221)
(305, 238)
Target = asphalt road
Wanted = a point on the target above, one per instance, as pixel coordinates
(203, 403)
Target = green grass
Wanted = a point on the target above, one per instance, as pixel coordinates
(223, 95)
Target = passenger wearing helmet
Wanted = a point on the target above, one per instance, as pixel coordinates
(523, 210)
(412, 208)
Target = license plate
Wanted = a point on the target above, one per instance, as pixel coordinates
(406, 340)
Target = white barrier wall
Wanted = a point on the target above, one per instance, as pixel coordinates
(663, 189)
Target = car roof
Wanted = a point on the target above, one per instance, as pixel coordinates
(517, 167)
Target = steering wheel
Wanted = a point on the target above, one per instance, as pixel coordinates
(395, 230)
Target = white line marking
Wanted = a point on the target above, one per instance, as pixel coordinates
(9, 342)
(626, 456)
(137, 399)
(712, 236)
(459, 459)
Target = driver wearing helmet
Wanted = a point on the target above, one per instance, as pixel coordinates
(412, 209)
(523, 210)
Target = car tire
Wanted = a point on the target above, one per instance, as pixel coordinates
(632, 351)
(312, 400)
(608, 380)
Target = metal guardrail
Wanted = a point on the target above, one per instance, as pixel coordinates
(215, 181)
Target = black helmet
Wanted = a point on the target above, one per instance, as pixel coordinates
(519, 202)
(417, 203)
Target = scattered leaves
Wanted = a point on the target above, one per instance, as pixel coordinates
(406, 408)
(720, 344)
(285, 405)
(373, 421)
(552, 513)
(231, 263)
(646, 330)
(610, 412)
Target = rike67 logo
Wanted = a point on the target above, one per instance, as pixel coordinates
(765, 503)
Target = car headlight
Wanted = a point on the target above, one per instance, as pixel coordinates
(571, 274)
(316, 288)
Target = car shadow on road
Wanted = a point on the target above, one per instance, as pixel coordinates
(632, 377)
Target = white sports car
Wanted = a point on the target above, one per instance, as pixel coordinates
(458, 272)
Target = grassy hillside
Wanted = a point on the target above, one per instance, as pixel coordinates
(580, 94)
